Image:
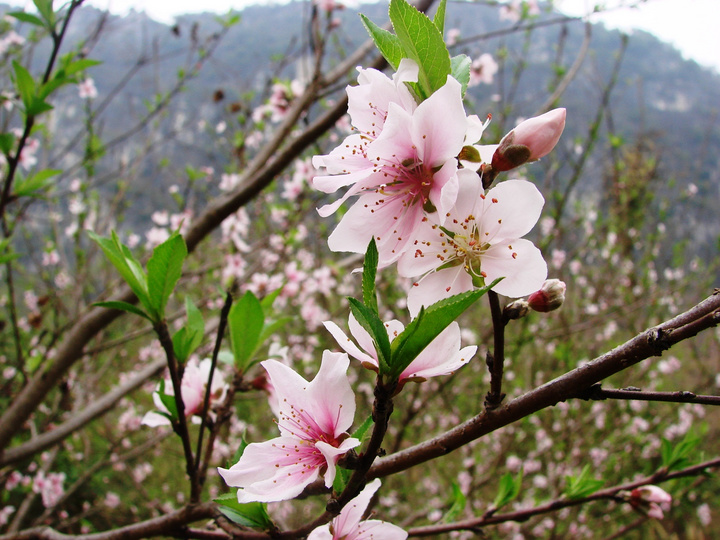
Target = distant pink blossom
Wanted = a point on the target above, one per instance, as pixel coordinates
(87, 90)
(483, 70)
(50, 487)
(480, 242)
(313, 419)
(349, 525)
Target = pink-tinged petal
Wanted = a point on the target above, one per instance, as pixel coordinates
(373, 529)
(395, 142)
(441, 357)
(351, 515)
(438, 285)
(332, 411)
(154, 419)
(275, 470)
(654, 511)
(332, 454)
(520, 263)
(444, 190)
(510, 210)
(348, 345)
(439, 125)
(321, 533)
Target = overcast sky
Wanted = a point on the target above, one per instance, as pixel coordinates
(693, 26)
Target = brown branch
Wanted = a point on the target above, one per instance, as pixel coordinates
(596, 392)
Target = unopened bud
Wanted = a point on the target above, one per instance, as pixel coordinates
(550, 296)
(516, 310)
(650, 500)
(529, 141)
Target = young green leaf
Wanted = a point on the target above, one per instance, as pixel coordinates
(168, 401)
(245, 321)
(45, 9)
(7, 141)
(362, 432)
(123, 306)
(25, 84)
(163, 272)
(678, 456)
(26, 18)
(423, 329)
(421, 41)
(35, 183)
(130, 270)
(460, 70)
(459, 501)
(387, 43)
(582, 485)
(252, 514)
(370, 321)
(190, 336)
(368, 276)
(439, 18)
(508, 490)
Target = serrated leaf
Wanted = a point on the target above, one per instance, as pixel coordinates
(252, 514)
(37, 107)
(168, 401)
(460, 70)
(387, 43)
(421, 41)
(363, 431)
(123, 306)
(677, 456)
(163, 272)
(80, 65)
(190, 336)
(245, 321)
(508, 490)
(123, 261)
(342, 476)
(26, 17)
(459, 501)
(368, 276)
(423, 329)
(45, 9)
(370, 321)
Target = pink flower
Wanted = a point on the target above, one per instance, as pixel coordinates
(480, 242)
(529, 141)
(87, 90)
(410, 168)
(348, 525)
(192, 386)
(651, 500)
(483, 70)
(313, 419)
(441, 357)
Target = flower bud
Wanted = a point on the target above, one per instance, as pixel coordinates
(550, 296)
(650, 500)
(529, 141)
(516, 310)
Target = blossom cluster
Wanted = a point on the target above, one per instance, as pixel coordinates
(420, 179)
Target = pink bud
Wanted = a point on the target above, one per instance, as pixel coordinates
(550, 296)
(651, 500)
(529, 141)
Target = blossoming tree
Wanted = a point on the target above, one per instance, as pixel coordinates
(431, 214)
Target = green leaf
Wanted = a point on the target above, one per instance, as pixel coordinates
(342, 476)
(439, 18)
(370, 321)
(272, 328)
(421, 41)
(460, 70)
(25, 84)
(26, 17)
(123, 306)
(582, 485)
(508, 490)
(169, 402)
(428, 325)
(387, 43)
(459, 501)
(190, 336)
(363, 432)
(369, 275)
(7, 141)
(163, 272)
(45, 9)
(35, 182)
(678, 456)
(245, 321)
(252, 514)
(130, 270)
(80, 65)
